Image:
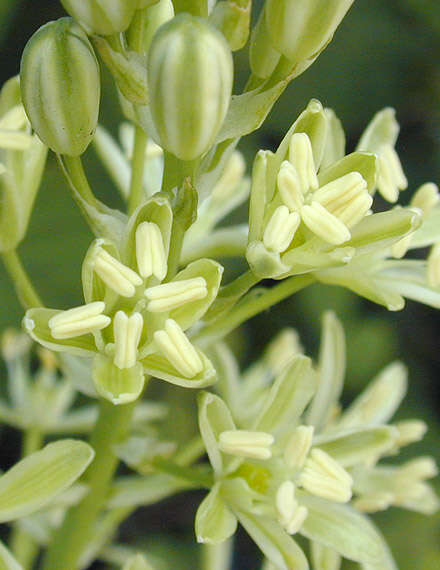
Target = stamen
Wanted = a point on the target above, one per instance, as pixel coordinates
(325, 225)
(78, 321)
(291, 516)
(252, 444)
(175, 294)
(324, 477)
(301, 156)
(298, 447)
(127, 332)
(289, 187)
(433, 270)
(178, 349)
(281, 229)
(391, 177)
(115, 274)
(426, 197)
(150, 251)
(410, 431)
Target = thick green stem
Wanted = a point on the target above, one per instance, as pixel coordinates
(217, 556)
(136, 194)
(251, 305)
(26, 293)
(23, 546)
(70, 540)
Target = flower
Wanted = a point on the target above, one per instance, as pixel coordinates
(132, 323)
(288, 459)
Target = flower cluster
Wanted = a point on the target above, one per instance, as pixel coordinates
(288, 459)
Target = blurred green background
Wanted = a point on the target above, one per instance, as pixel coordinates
(384, 54)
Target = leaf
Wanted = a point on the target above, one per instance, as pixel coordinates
(215, 522)
(34, 481)
(7, 561)
(341, 528)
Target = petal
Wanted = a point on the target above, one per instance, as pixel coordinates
(335, 142)
(341, 528)
(34, 481)
(7, 561)
(35, 323)
(362, 162)
(94, 288)
(190, 313)
(324, 558)
(265, 263)
(288, 397)
(137, 562)
(119, 386)
(383, 129)
(214, 418)
(331, 369)
(215, 522)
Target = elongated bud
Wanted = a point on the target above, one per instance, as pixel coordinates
(300, 29)
(233, 18)
(156, 16)
(190, 76)
(60, 86)
(103, 18)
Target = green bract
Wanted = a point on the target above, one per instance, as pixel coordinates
(190, 76)
(300, 29)
(103, 17)
(60, 86)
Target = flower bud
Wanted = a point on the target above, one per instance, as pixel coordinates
(190, 74)
(156, 16)
(300, 29)
(115, 16)
(60, 86)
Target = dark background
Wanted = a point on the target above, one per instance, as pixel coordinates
(385, 53)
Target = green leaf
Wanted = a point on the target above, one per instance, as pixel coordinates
(273, 541)
(214, 418)
(35, 323)
(215, 522)
(7, 561)
(341, 528)
(119, 386)
(357, 445)
(288, 397)
(34, 481)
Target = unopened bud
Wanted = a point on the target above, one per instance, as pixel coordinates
(300, 29)
(232, 18)
(60, 86)
(103, 18)
(190, 76)
(156, 16)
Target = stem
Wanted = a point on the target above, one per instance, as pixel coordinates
(135, 33)
(240, 285)
(24, 548)
(70, 540)
(26, 293)
(250, 306)
(136, 192)
(217, 556)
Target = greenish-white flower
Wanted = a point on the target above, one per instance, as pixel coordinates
(131, 322)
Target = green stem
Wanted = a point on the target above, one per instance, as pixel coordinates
(251, 305)
(26, 293)
(70, 540)
(240, 285)
(24, 548)
(217, 556)
(135, 33)
(136, 193)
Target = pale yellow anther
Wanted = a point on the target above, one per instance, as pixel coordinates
(298, 447)
(115, 274)
(426, 197)
(127, 332)
(281, 229)
(324, 477)
(419, 469)
(150, 251)
(78, 321)
(172, 295)
(391, 177)
(347, 198)
(176, 347)
(301, 156)
(399, 249)
(433, 269)
(289, 187)
(374, 502)
(410, 431)
(243, 443)
(291, 516)
(282, 349)
(14, 140)
(325, 225)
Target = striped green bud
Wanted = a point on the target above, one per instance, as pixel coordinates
(103, 17)
(60, 86)
(300, 29)
(156, 16)
(190, 73)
